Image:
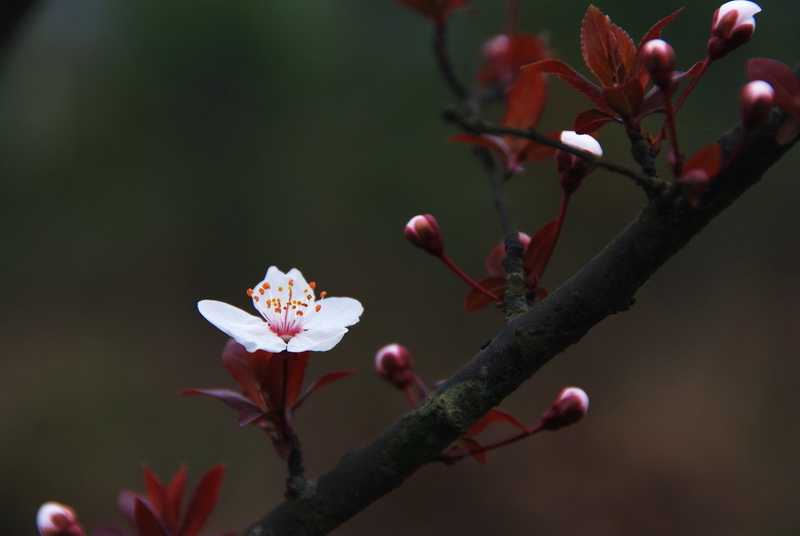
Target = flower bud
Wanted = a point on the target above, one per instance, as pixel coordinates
(394, 364)
(55, 519)
(571, 404)
(756, 101)
(423, 231)
(733, 25)
(571, 168)
(658, 57)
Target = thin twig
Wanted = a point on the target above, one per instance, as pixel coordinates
(443, 61)
(652, 185)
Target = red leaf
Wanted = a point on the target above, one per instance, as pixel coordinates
(571, 77)
(296, 371)
(248, 411)
(203, 501)
(607, 49)
(540, 250)
(526, 100)
(493, 416)
(175, 491)
(627, 99)
(147, 522)
(493, 143)
(655, 31)
(707, 160)
(244, 366)
(321, 382)
(476, 300)
(508, 54)
(781, 78)
(155, 490)
(591, 121)
(524, 105)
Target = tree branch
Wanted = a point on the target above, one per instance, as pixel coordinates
(651, 184)
(605, 286)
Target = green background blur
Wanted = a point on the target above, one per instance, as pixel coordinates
(155, 153)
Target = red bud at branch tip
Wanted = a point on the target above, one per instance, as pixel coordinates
(756, 101)
(423, 231)
(394, 364)
(658, 57)
(571, 404)
(55, 519)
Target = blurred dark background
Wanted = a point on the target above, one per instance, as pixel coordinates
(155, 153)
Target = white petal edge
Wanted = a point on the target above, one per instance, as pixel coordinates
(44, 517)
(744, 9)
(316, 340)
(335, 313)
(584, 142)
(248, 330)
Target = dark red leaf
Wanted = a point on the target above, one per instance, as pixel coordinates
(540, 250)
(607, 49)
(571, 77)
(321, 382)
(248, 411)
(655, 31)
(203, 501)
(507, 54)
(147, 521)
(296, 371)
(244, 367)
(591, 121)
(526, 100)
(493, 143)
(494, 416)
(627, 99)
(175, 489)
(781, 78)
(476, 300)
(707, 160)
(155, 490)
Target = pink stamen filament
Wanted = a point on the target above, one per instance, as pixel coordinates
(467, 279)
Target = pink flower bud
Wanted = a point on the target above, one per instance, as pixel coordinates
(55, 519)
(571, 168)
(571, 404)
(423, 231)
(658, 57)
(756, 101)
(394, 364)
(733, 25)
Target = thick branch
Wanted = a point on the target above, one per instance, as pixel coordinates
(606, 285)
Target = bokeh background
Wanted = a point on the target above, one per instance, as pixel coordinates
(155, 153)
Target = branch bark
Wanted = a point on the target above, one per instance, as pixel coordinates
(605, 286)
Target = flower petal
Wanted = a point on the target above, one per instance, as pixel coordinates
(316, 340)
(246, 329)
(744, 10)
(335, 313)
(297, 278)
